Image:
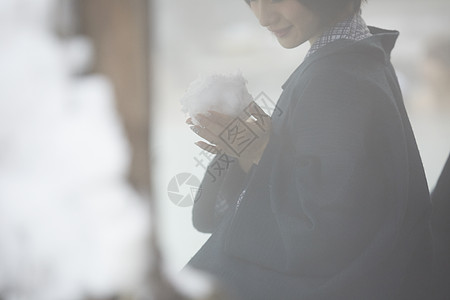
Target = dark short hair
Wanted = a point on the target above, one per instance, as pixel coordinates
(328, 9)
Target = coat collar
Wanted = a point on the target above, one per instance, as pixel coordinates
(379, 45)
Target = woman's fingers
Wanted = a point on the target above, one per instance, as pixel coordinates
(189, 121)
(257, 116)
(221, 139)
(220, 118)
(204, 133)
(207, 147)
(256, 113)
(214, 125)
(215, 128)
(255, 110)
(217, 122)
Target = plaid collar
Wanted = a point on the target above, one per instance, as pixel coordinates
(354, 28)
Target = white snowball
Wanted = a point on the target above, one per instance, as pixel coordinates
(225, 93)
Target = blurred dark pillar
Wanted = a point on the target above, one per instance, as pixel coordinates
(119, 30)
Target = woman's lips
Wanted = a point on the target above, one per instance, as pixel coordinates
(282, 32)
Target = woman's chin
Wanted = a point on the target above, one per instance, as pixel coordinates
(290, 43)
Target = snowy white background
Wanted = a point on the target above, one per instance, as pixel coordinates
(70, 225)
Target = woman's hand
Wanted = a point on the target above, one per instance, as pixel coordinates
(244, 137)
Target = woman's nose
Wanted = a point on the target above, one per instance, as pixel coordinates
(265, 13)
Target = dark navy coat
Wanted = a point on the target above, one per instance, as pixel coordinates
(441, 234)
(338, 206)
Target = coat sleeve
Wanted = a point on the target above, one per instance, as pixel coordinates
(330, 191)
(218, 192)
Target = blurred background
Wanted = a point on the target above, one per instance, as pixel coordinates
(97, 166)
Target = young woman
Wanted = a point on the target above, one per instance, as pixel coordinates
(329, 200)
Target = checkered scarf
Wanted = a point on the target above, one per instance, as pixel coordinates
(354, 28)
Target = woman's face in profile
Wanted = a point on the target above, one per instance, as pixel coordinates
(289, 20)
